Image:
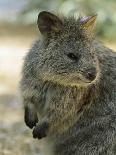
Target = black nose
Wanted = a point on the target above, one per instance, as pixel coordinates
(90, 74)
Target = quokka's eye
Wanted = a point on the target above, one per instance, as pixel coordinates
(72, 56)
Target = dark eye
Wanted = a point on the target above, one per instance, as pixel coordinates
(72, 56)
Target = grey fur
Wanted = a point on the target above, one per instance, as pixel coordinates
(81, 114)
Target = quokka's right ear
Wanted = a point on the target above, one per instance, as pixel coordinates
(48, 22)
(88, 23)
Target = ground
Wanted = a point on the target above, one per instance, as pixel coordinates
(15, 137)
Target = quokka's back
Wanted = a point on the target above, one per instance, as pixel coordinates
(69, 84)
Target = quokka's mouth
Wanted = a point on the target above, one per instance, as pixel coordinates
(85, 81)
(92, 81)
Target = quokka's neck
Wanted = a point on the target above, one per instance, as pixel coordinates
(79, 93)
(84, 97)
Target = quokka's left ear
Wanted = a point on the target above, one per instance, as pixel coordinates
(48, 23)
(88, 23)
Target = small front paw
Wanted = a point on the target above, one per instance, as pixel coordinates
(40, 131)
(30, 116)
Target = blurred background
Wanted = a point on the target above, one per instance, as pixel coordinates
(18, 30)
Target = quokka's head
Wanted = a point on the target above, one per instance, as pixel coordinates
(69, 56)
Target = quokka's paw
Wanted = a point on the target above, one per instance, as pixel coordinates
(31, 118)
(40, 130)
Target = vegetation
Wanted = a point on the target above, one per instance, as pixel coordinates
(105, 9)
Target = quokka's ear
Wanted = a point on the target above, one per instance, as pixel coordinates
(88, 23)
(48, 22)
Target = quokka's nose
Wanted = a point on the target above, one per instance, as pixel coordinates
(91, 74)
